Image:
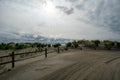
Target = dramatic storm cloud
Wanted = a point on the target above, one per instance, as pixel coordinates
(71, 19)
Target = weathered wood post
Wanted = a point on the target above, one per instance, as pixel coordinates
(58, 49)
(46, 53)
(13, 59)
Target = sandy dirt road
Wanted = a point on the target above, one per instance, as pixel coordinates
(72, 65)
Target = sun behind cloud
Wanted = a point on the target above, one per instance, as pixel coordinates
(49, 7)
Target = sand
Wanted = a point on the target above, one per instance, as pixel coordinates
(69, 65)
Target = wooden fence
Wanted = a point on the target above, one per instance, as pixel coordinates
(11, 57)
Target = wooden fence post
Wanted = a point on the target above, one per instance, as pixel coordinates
(58, 49)
(46, 53)
(13, 60)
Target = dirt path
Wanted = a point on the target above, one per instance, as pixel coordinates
(90, 67)
(72, 65)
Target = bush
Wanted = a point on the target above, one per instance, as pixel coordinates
(108, 44)
(69, 44)
(40, 49)
(4, 46)
(20, 46)
(75, 44)
(56, 45)
(49, 45)
(96, 42)
(118, 44)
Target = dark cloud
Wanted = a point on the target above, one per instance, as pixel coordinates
(107, 14)
(72, 0)
(102, 13)
(65, 9)
(70, 11)
(79, 6)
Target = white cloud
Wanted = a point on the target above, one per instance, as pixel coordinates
(40, 17)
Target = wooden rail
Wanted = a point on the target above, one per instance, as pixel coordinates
(13, 54)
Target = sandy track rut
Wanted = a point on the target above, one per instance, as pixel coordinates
(102, 68)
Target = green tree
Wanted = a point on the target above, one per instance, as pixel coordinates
(75, 44)
(19, 46)
(6, 46)
(118, 44)
(49, 45)
(96, 42)
(56, 45)
(69, 44)
(108, 44)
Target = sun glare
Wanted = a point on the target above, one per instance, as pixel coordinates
(49, 7)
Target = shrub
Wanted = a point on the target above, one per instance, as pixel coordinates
(40, 49)
(56, 45)
(118, 44)
(4, 46)
(108, 44)
(96, 42)
(69, 44)
(49, 45)
(20, 46)
(75, 44)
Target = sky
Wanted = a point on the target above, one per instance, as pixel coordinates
(70, 19)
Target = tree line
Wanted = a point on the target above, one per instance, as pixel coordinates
(17, 46)
(106, 44)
